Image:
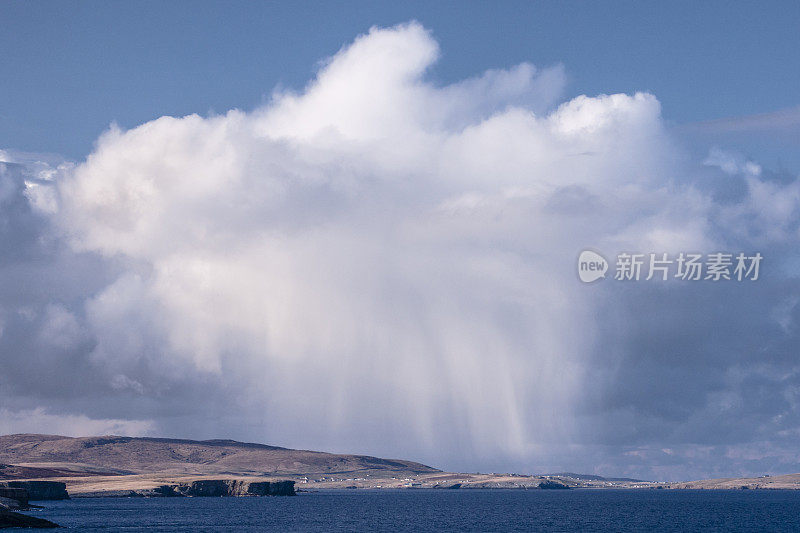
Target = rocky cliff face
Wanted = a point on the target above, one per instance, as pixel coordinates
(225, 487)
(13, 497)
(39, 490)
(553, 485)
(271, 488)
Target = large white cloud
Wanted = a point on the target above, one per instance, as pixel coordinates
(381, 264)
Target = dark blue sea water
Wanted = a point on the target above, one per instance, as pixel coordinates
(442, 510)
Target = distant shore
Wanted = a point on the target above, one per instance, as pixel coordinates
(149, 484)
(133, 466)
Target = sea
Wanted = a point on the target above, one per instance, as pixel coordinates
(424, 510)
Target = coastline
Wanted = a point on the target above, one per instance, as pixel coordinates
(136, 485)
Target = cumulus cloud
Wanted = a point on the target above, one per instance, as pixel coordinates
(381, 264)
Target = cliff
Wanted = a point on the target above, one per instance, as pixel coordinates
(13, 498)
(16, 498)
(224, 487)
(38, 490)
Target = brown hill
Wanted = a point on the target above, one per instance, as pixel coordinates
(111, 455)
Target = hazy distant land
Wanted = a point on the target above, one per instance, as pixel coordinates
(112, 465)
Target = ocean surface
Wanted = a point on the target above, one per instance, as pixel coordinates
(442, 510)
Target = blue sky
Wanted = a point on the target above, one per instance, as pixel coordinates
(71, 68)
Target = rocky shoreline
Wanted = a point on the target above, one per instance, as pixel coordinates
(9, 519)
(202, 488)
(16, 495)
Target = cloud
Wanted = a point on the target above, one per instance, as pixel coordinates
(381, 264)
(39, 421)
(770, 138)
(731, 163)
(781, 121)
